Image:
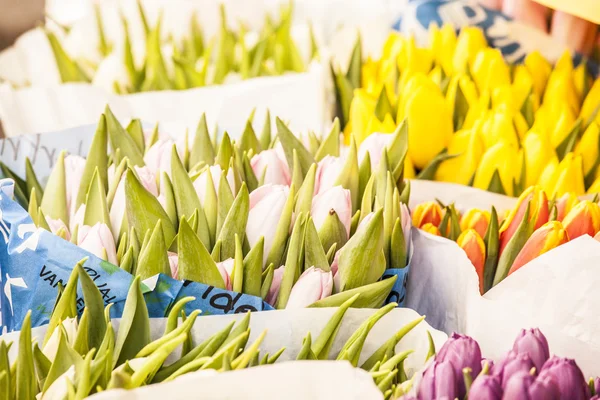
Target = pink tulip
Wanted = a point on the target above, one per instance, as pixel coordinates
(335, 199)
(149, 132)
(96, 240)
(274, 168)
(328, 170)
(117, 209)
(215, 172)
(158, 157)
(406, 223)
(275, 285)
(266, 206)
(313, 285)
(173, 263)
(374, 145)
(56, 224)
(74, 166)
(226, 269)
(77, 219)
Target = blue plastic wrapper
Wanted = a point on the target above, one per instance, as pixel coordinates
(34, 261)
(513, 39)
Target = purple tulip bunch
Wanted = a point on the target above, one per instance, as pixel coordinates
(526, 372)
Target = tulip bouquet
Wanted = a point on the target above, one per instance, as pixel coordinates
(526, 372)
(156, 63)
(497, 127)
(264, 217)
(83, 355)
(498, 246)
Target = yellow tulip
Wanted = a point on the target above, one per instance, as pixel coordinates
(429, 124)
(520, 124)
(467, 86)
(561, 87)
(443, 44)
(408, 85)
(521, 86)
(595, 188)
(591, 102)
(562, 123)
(498, 126)
(538, 153)
(567, 176)
(588, 147)
(503, 97)
(461, 169)
(377, 74)
(539, 69)
(580, 79)
(393, 46)
(409, 168)
(414, 58)
(362, 109)
(436, 75)
(469, 42)
(478, 111)
(503, 158)
(489, 69)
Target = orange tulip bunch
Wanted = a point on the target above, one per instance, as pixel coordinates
(498, 246)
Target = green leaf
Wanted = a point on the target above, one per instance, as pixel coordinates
(492, 247)
(96, 210)
(355, 65)
(157, 77)
(120, 139)
(397, 150)
(235, 223)
(249, 176)
(65, 306)
(267, 281)
(54, 201)
(95, 305)
(136, 132)
(431, 352)
(306, 192)
(291, 143)
(134, 328)
(26, 387)
(314, 253)
(514, 246)
(348, 177)
(249, 141)
(330, 146)
(32, 181)
(153, 258)
(42, 366)
(104, 46)
(527, 111)
(398, 251)
(428, 173)
(282, 231)
(64, 359)
(344, 92)
(495, 185)
(293, 261)
(568, 144)
(144, 210)
(20, 185)
(253, 269)
(265, 136)
(195, 263)
(305, 351)
(371, 296)
(461, 107)
(322, 346)
(97, 160)
(332, 231)
(225, 152)
(383, 106)
(212, 203)
(68, 69)
(167, 190)
(364, 176)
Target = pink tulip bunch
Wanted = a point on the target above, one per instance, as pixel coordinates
(298, 222)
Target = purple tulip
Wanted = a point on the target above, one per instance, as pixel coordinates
(597, 385)
(486, 387)
(568, 377)
(490, 363)
(439, 380)
(512, 364)
(533, 343)
(524, 386)
(462, 352)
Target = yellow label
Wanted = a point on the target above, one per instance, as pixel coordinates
(586, 9)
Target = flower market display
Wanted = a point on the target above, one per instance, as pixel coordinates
(181, 206)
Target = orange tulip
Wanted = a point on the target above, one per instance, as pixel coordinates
(538, 212)
(472, 243)
(583, 219)
(431, 228)
(475, 219)
(564, 205)
(552, 234)
(428, 212)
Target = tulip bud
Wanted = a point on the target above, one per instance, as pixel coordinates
(564, 205)
(374, 145)
(524, 386)
(275, 285)
(468, 145)
(558, 179)
(548, 236)
(472, 243)
(439, 382)
(498, 126)
(462, 352)
(335, 199)
(512, 363)
(428, 212)
(274, 168)
(432, 229)
(538, 153)
(503, 158)
(173, 263)
(328, 170)
(469, 42)
(56, 225)
(475, 219)
(588, 147)
(540, 70)
(538, 213)
(215, 172)
(158, 157)
(226, 269)
(583, 219)
(486, 387)
(98, 240)
(489, 69)
(533, 343)
(567, 376)
(266, 208)
(74, 166)
(313, 285)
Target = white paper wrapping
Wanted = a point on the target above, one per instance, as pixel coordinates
(287, 328)
(556, 292)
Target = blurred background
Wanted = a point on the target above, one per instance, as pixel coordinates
(17, 16)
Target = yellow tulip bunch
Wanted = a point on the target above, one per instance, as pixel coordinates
(474, 119)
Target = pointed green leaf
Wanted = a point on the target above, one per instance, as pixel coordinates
(330, 146)
(120, 139)
(253, 269)
(96, 209)
(291, 143)
(348, 177)
(322, 346)
(235, 223)
(54, 201)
